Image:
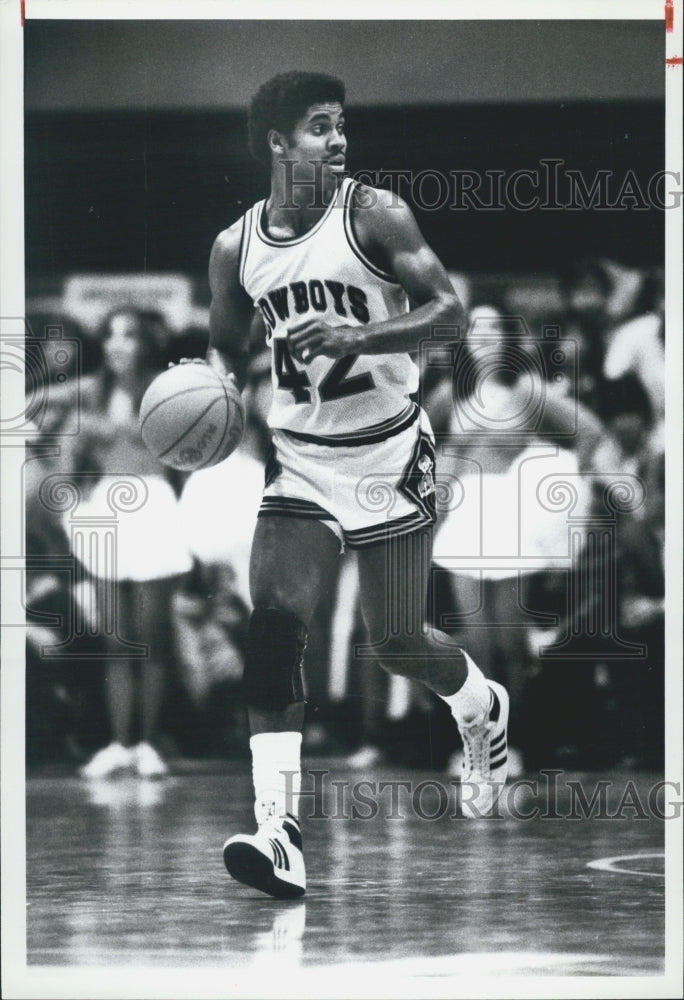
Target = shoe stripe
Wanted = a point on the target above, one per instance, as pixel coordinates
(283, 860)
(500, 762)
(284, 863)
(291, 828)
(498, 742)
(277, 852)
(495, 710)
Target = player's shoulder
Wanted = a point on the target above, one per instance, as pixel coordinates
(378, 213)
(227, 243)
(224, 260)
(377, 200)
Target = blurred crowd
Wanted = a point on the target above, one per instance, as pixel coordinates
(549, 545)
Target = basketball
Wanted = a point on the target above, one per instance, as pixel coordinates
(190, 418)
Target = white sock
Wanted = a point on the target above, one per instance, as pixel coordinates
(277, 775)
(472, 699)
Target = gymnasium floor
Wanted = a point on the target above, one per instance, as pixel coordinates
(129, 874)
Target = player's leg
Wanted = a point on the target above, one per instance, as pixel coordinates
(469, 598)
(292, 561)
(393, 580)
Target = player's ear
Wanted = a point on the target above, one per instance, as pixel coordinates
(276, 141)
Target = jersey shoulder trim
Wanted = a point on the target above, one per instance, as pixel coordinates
(376, 271)
(244, 244)
(259, 211)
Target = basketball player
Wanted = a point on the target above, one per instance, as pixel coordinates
(332, 266)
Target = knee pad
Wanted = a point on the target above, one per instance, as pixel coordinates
(273, 676)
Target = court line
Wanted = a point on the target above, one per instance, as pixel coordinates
(608, 864)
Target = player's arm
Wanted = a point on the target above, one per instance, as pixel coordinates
(231, 310)
(389, 236)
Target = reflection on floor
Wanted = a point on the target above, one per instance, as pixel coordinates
(129, 873)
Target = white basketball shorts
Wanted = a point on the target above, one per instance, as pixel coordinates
(364, 493)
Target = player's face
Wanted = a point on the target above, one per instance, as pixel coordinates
(318, 144)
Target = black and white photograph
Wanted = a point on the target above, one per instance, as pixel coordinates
(341, 433)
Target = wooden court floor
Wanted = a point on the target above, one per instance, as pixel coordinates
(126, 873)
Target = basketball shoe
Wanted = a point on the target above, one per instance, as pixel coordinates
(112, 759)
(147, 761)
(485, 755)
(270, 860)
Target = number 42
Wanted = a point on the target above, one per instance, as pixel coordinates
(335, 385)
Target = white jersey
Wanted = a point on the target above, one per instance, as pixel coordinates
(325, 274)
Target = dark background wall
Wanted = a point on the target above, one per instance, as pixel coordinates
(135, 131)
(219, 64)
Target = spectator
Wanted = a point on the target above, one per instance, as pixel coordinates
(150, 556)
(586, 289)
(636, 347)
(634, 686)
(504, 447)
(49, 704)
(629, 446)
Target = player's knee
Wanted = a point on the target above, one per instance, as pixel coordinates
(273, 677)
(276, 595)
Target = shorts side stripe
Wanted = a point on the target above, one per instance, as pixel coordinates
(389, 529)
(408, 485)
(293, 507)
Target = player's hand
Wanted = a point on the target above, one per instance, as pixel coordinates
(228, 377)
(313, 338)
